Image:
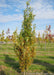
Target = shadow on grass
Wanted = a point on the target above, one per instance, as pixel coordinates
(49, 67)
(12, 63)
(51, 57)
(2, 73)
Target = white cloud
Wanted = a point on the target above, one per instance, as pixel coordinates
(2, 1)
(43, 10)
(8, 18)
(45, 14)
(17, 10)
(5, 5)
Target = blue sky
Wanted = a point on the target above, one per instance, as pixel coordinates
(11, 14)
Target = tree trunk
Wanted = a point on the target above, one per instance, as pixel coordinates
(24, 72)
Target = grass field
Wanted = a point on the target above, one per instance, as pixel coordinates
(43, 62)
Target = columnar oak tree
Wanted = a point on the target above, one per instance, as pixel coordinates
(25, 44)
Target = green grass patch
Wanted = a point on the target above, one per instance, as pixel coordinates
(43, 62)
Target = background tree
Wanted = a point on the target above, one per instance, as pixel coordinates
(6, 39)
(48, 36)
(43, 37)
(7, 32)
(25, 46)
(15, 35)
(49, 33)
(39, 38)
(40, 42)
(2, 36)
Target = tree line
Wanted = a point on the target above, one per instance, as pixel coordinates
(46, 36)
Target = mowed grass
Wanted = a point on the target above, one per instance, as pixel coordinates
(43, 62)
